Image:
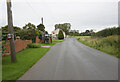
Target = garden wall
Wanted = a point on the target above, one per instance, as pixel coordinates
(19, 45)
(37, 39)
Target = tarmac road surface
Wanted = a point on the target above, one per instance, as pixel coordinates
(71, 60)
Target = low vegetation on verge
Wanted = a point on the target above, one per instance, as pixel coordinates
(34, 45)
(109, 44)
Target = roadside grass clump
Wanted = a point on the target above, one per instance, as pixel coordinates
(34, 45)
(109, 44)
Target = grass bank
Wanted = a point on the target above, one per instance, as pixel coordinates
(108, 44)
(25, 59)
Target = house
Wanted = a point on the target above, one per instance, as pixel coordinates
(55, 33)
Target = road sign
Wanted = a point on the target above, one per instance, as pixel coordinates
(9, 36)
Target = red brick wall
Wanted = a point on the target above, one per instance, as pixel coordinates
(19, 45)
(37, 39)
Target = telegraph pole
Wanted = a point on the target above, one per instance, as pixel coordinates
(42, 20)
(119, 40)
(42, 31)
(119, 14)
(10, 30)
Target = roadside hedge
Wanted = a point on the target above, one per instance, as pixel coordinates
(34, 45)
(108, 32)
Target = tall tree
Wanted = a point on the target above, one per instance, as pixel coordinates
(29, 26)
(65, 27)
(87, 31)
(28, 32)
(74, 33)
(5, 29)
(41, 27)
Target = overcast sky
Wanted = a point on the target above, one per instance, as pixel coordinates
(82, 14)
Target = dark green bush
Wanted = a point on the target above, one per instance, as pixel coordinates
(60, 35)
(33, 45)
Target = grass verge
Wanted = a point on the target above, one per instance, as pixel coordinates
(109, 45)
(25, 59)
(53, 42)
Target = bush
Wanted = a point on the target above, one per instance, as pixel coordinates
(34, 45)
(60, 35)
(29, 34)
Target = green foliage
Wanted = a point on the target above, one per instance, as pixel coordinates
(5, 31)
(74, 33)
(60, 35)
(4, 48)
(46, 32)
(28, 32)
(33, 45)
(15, 28)
(108, 31)
(29, 26)
(39, 34)
(87, 33)
(41, 27)
(65, 27)
(57, 40)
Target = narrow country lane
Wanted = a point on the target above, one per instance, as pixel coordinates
(71, 60)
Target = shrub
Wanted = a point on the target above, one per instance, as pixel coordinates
(4, 49)
(33, 45)
(28, 34)
(60, 35)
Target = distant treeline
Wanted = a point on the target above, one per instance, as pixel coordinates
(108, 31)
(102, 33)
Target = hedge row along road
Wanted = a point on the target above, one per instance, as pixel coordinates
(71, 60)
